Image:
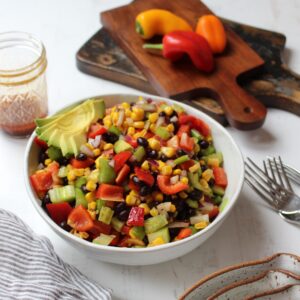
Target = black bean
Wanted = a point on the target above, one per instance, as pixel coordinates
(173, 232)
(145, 240)
(123, 215)
(162, 114)
(63, 161)
(84, 189)
(203, 168)
(167, 198)
(110, 137)
(211, 182)
(180, 152)
(204, 144)
(145, 190)
(195, 194)
(152, 154)
(64, 225)
(42, 156)
(46, 200)
(119, 207)
(65, 181)
(81, 156)
(174, 114)
(142, 142)
(164, 157)
(176, 126)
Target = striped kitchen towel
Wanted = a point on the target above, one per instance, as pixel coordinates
(30, 269)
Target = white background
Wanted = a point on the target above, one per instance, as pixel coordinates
(252, 231)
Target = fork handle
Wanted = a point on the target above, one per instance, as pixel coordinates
(293, 218)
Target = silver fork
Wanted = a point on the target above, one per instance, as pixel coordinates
(275, 189)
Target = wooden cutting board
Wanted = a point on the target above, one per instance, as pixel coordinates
(182, 80)
(276, 87)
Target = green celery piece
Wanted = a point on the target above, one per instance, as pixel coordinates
(62, 172)
(155, 223)
(137, 232)
(161, 233)
(163, 133)
(223, 204)
(192, 203)
(218, 200)
(62, 194)
(209, 150)
(194, 181)
(103, 239)
(196, 134)
(99, 204)
(115, 130)
(54, 153)
(106, 214)
(80, 198)
(194, 230)
(107, 173)
(117, 224)
(218, 190)
(181, 159)
(80, 181)
(121, 146)
(139, 153)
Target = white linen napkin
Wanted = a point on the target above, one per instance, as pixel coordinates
(30, 269)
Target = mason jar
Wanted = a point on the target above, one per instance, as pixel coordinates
(23, 87)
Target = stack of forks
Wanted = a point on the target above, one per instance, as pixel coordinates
(272, 184)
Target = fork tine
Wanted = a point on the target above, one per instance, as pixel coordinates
(277, 172)
(284, 175)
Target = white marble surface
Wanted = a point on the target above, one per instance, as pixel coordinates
(252, 231)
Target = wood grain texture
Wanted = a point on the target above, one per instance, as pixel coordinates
(182, 80)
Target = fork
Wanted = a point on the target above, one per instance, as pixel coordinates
(274, 188)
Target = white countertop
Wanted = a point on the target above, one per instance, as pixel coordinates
(251, 231)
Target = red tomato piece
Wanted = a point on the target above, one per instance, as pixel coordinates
(42, 144)
(41, 182)
(186, 143)
(184, 233)
(122, 175)
(80, 219)
(136, 216)
(98, 228)
(131, 141)
(183, 129)
(110, 192)
(133, 186)
(115, 241)
(214, 212)
(173, 142)
(96, 129)
(120, 159)
(124, 241)
(125, 230)
(220, 176)
(170, 189)
(144, 176)
(187, 164)
(59, 212)
(195, 123)
(82, 164)
(53, 168)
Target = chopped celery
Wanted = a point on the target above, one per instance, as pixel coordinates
(209, 150)
(137, 232)
(214, 159)
(62, 194)
(54, 153)
(218, 190)
(139, 153)
(107, 173)
(192, 203)
(218, 200)
(181, 159)
(161, 233)
(103, 239)
(115, 130)
(155, 223)
(80, 181)
(106, 214)
(121, 146)
(99, 204)
(196, 134)
(80, 198)
(194, 180)
(117, 224)
(63, 172)
(163, 133)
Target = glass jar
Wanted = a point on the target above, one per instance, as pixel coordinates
(23, 87)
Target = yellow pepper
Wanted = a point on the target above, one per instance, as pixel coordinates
(159, 22)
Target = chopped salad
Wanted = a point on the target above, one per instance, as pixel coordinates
(136, 175)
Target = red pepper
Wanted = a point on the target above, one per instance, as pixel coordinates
(42, 144)
(125, 230)
(81, 164)
(128, 139)
(41, 182)
(122, 175)
(195, 123)
(136, 216)
(187, 164)
(170, 189)
(185, 128)
(120, 159)
(178, 43)
(96, 129)
(59, 212)
(99, 227)
(186, 142)
(80, 219)
(110, 192)
(184, 233)
(214, 212)
(220, 176)
(144, 176)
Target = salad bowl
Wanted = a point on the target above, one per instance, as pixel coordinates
(234, 167)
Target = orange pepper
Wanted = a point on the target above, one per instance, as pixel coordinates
(211, 27)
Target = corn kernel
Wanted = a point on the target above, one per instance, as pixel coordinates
(78, 172)
(130, 131)
(153, 127)
(90, 196)
(183, 195)
(161, 164)
(91, 186)
(128, 113)
(93, 214)
(89, 146)
(202, 162)
(107, 121)
(170, 128)
(154, 144)
(130, 200)
(82, 235)
(153, 212)
(139, 124)
(92, 205)
(146, 208)
(177, 172)
(156, 242)
(201, 225)
(142, 133)
(87, 172)
(204, 183)
(184, 180)
(158, 197)
(115, 117)
(145, 165)
(213, 162)
(207, 174)
(153, 117)
(125, 105)
(47, 162)
(168, 110)
(168, 151)
(166, 170)
(137, 114)
(71, 176)
(108, 146)
(96, 152)
(172, 208)
(209, 138)
(194, 168)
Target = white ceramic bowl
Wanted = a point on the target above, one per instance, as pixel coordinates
(233, 164)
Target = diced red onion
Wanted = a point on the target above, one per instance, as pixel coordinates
(154, 163)
(147, 107)
(183, 173)
(40, 166)
(160, 121)
(184, 138)
(174, 179)
(86, 150)
(179, 225)
(112, 163)
(199, 218)
(174, 119)
(121, 118)
(95, 142)
(207, 206)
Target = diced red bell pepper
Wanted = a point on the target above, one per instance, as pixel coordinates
(136, 216)
(144, 176)
(186, 143)
(187, 164)
(120, 159)
(220, 176)
(195, 123)
(41, 182)
(183, 129)
(59, 212)
(80, 219)
(82, 164)
(133, 186)
(122, 175)
(125, 230)
(96, 129)
(131, 141)
(110, 192)
(42, 144)
(110, 204)
(214, 212)
(124, 241)
(184, 233)
(116, 240)
(173, 142)
(53, 168)
(170, 189)
(99, 227)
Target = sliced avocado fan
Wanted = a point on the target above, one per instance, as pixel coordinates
(67, 129)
